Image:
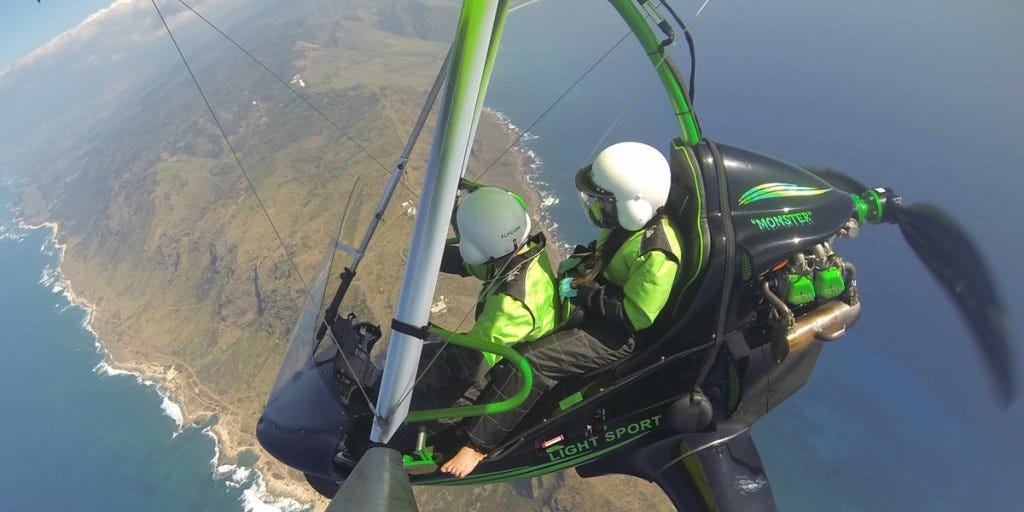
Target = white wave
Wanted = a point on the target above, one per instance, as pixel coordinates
(216, 447)
(12, 232)
(534, 163)
(172, 410)
(254, 496)
(87, 321)
(105, 369)
(256, 499)
(168, 406)
(49, 276)
(235, 476)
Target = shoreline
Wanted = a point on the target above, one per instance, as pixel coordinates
(184, 398)
(529, 174)
(257, 492)
(530, 171)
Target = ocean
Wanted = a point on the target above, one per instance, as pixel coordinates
(79, 435)
(898, 415)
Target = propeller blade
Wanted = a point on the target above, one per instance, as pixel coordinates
(378, 482)
(953, 259)
(838, 180)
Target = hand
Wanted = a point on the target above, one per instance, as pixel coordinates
(565, 289)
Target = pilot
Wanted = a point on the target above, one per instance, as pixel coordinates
(615, 292)
(517, 302)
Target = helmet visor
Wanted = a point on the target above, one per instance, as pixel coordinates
(598, 203)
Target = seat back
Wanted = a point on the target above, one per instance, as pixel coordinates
(687, 208)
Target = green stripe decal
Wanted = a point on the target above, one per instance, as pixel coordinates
(528, 471)
(771, 190)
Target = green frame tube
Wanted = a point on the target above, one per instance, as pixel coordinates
(665, 67)
(690, 136)
(472, 55)
(465, 411)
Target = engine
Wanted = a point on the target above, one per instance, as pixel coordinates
(811, 295)
(811, 276)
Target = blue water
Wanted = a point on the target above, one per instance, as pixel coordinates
(79, 436)
(920, 96)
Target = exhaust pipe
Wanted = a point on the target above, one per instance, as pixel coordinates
(825, 323)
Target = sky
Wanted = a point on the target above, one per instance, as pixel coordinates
(26, 24)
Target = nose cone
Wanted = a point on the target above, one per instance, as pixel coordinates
(303, 423)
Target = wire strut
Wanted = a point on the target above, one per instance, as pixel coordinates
(252, 188)
(295, 91)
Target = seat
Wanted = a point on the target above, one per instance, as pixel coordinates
(687, 208)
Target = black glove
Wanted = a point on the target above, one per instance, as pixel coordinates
(606, 301)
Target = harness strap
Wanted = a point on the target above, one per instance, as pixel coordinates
(409, 329)
(514, 282)
(655, 238)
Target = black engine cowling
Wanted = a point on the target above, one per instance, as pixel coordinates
(778, 208)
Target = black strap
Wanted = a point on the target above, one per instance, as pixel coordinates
(331, 313)
(655, 238)
(514, 280)
(409, 329)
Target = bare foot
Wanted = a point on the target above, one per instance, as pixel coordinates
(464, 462)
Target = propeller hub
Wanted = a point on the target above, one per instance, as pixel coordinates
(877, 205)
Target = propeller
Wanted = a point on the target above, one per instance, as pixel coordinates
(378, 482)
(955, 262)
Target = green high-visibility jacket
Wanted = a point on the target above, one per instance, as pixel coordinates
(521, 303)
(646, 267)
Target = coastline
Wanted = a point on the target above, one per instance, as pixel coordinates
(183, 402)
(527, 181)
(238, 462)
(190, 404)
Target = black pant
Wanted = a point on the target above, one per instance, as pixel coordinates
(448, 376)
(553, 357)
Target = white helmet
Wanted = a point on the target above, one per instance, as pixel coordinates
(491, 223)
(625, 185)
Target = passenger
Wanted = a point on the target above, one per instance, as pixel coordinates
(517, 302)
(619, 291)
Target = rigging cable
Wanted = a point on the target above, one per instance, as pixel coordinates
(689, 43)
(552, 106)
(259, 201)
(622, 112)
(296, 92)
